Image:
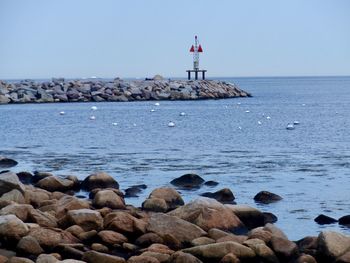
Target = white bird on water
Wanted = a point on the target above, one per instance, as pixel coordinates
(296, 122)
(268, 117)
(92, 117)
(259, 122)
(156, 104)
(171, 124)
(153, 110)
(290, 126)
(247, 111)
(182, 114)
(93, 108)
(62, 113)
(114, 123)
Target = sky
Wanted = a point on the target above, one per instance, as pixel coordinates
(115, 38)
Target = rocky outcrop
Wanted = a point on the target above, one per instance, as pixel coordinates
(28, 91)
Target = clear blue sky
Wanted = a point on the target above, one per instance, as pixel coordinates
(109, 38)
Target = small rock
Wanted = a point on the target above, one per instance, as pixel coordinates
(99, 180)
(142, 259)
(7, 162)
(86, 218)
(211, 183)
(110, 237)
(188, 181)
(94, 257)
(181, 257)
(155, 205)
(107, 198)
(224, 196)
(230, 258)
(148, 239)
(266, 197)
(172, 198)
(323, 220)
(12, 227)
(29, 245)
(344, 220)
(99, 248)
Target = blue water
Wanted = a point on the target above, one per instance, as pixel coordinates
(217, 139)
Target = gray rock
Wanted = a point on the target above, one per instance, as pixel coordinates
(10, 181)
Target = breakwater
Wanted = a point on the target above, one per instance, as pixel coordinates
(61, 90)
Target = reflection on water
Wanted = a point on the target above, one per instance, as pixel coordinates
(307, 166)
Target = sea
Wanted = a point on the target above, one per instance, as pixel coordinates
(242, 143)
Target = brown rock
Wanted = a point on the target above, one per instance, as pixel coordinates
(345, 258)
(20, 260)
(217, 251)
(36, 196)
(142, 259)
(87, 236)
(53, 183)
(332, 245)
(97, 257)
(46, 258)
(29, 245)
(3, 259)
(202, 241)
(85, 218)
(123, 222)
(148, 239)
(208, 213)
(19, 210)
(13, 196)
(261, 234)
(181, 257)
(275, 231)
(75, 230)
(12, 227)
(107, 198)
(155, 205)
(230, 258)
(8, 182)
(51, 237)
(99, 248)
(111, 237)
(99, 180)
(67, 203)
(284, 249)
(261, 250)
(42, 218)
(250, 216)
(305, 259)
(172, 198)
(182, 230)
(159, 248)
(7, 253)
(231, 237)
(162, 258)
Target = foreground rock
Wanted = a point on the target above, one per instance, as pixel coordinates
(162, 200)
(28, 91)
(8, 182)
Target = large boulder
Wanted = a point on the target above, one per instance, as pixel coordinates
(67, 203)
(181, 257)
(208, 213)
(332, 245)
(123, 222)
(285, 250)
(19, 210)
(86, 218)
(110, 237)
(12, 227)
(13, 196)
(170, 196)
(8, 182)
(266, 197)
(93, 257)
(261, 250)
(99, 180)
(42, 218)
(7, 162)
(108, 198)
(51, 237)
(29, 245)
(53, 183)
(216, 251)
(183, 231)
(250, 216)
(188, 181)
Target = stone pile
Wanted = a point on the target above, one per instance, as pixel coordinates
(42, 221)
(60, 90)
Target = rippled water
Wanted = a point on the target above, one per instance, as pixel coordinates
(217, 139)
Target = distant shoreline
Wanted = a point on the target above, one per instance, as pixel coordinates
(117, 90)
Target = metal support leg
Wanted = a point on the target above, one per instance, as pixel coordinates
(196, 75)
(203, 75)
(189, 75)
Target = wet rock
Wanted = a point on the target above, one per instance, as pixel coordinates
(29, 245)
(52, 183)
(188, 181)
(211, 183)
(250, 216)
(261, 250)
(266, 197)
(181, 257)
(7, 162)
(208, 213)
(171, 200)
(217, 251)
(108, 198)
(25, 177)
(142, 259)
(93, 257)
(269, 218)
(99, 180)
(123, 222)
(182, 230)
(134, 190)
(155, 205)
(111, 237)
(284, 249)
(148, 239)
(8, 182)
(87, 219)
(12, 227)
(332, 245)
(223, 196)
(344, 220)
(323, 220)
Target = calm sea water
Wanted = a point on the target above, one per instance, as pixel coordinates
(217, 139)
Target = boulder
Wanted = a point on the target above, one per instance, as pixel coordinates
(99, 180)
(261, 250)
(211, 183)
(51, 237)
(217, 251)
(182, 230)
(67, 203)
(123, 222)
(13, 196)
(29, 245)
(159, 248)
(202, 241)
(323, 220)
(53, 183)
(108, 198)
(250, 216)
(304, 258)
(230, 258)
(308, 245)
(275, 231)
(162, 258)
(181, 257)
(8, 182)
(19, 210)
(7, 162)
(110, 237)
(99, 248)
(38, 175)
(85, 218)
(266, 197)
(20, 260)
(224, 195)
(261, 234)
(171, 197)
(155, 205)
(47, 258)
(344, 220)
(142, 259)
(345, 258)
(332, 245)
(208, 213)
(148, 239)
(25, 177)
(36, 196)
(42, 218)
(284, 249)
(269, 218)
(93, 257)
(134, 190)
(188, 181)
(12, 227)
(75, 230)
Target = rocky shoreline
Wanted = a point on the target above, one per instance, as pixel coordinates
(42, 220)
(61, 90)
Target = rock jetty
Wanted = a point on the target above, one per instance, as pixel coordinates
(61, 90)
(42, 221)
